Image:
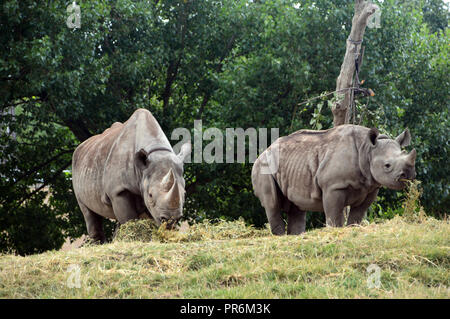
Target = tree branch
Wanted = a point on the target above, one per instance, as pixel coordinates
(218, 69)
(174, 65)
(363, 10)
(78, 129)
(172, 72)
(46, 183)
(38, 167)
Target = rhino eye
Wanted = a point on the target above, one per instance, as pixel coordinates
(387, 166)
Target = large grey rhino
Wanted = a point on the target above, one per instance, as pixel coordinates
(328, 170)
(128, 170)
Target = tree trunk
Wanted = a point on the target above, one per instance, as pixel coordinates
(340, 109)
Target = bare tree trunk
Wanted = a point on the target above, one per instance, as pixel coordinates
(340, 109)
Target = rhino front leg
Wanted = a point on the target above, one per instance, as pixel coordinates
(296, 221)
(333, 205)
(357, 213)
(94, 224)
(124, 207)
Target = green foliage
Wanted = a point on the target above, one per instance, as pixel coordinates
(415, 94)
(436, 15)
(231, 63)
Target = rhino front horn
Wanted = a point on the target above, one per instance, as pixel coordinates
(168, 180)
(173, 197)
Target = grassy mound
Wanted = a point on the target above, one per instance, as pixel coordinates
(230, 260)
(145, 230)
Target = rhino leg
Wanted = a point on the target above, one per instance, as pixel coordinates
(94, 224)
(277, 224)
(333, 205)
(268, 193)
(296, 221)
(357, 213)
(124, 207)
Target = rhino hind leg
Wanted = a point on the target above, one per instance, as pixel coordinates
(277, 224)
(296, 220)
(268, 193)
(273, 212)
(355, 216)
(94, 224)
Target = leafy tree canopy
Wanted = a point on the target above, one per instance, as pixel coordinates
(231, 63)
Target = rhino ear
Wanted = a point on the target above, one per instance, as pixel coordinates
(373, 134)
(140, 159)
(404, 139)
(185, 151)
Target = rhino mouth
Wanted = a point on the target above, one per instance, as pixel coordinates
(404, 182)
(168, 223)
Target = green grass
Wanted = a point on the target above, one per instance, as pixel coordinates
(230, 260)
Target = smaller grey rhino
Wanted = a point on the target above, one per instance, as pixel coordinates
(327, 170)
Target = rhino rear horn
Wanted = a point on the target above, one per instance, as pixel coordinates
(411, 157)
(168, 181)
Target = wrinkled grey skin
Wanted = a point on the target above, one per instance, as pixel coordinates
(129, 171)
(328, 170)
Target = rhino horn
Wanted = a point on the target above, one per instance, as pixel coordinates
(411, 158)
(168, 181)
(173, 196)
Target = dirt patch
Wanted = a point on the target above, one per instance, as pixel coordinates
(73, 244)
